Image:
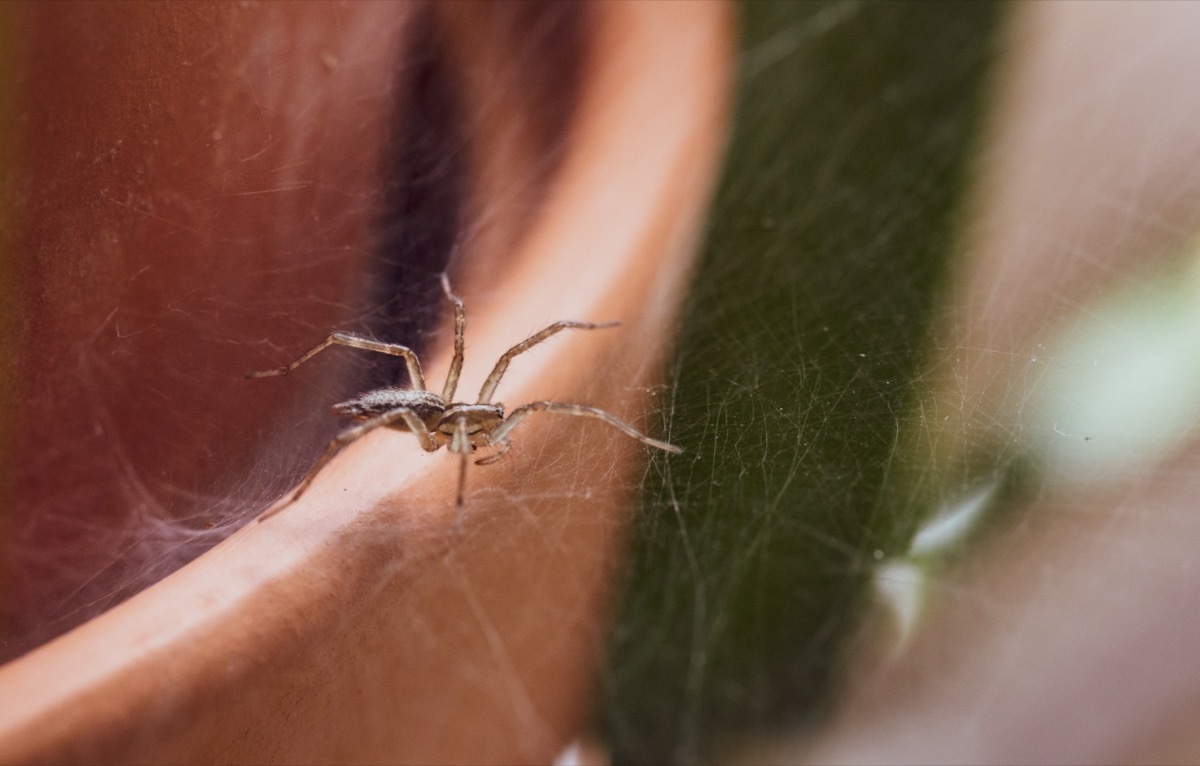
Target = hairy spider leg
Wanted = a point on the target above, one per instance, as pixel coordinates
(354, 341)
(352, 434)
(461, 444)
(493, 380)
(460, 329)
(561, 408)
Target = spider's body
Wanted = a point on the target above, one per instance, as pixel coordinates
(427, 405)
(439, 419)
(482, 420)
(461, 426)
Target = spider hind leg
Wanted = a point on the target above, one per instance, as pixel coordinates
(342, 440)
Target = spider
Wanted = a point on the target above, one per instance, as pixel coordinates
(438, 421)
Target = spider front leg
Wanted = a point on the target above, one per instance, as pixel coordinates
(493, 380)
(461, 443)
(562, 408)
(354, 341)
(460, 328)
(343, 439)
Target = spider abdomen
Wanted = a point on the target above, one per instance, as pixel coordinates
(426, 405)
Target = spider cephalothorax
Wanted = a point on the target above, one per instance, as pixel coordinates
(439, 420)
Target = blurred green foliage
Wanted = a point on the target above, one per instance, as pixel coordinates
(798, 362)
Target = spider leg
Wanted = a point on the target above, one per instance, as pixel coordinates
(462, 445)
(460, 326)
(354, 341)
(346, 437)
(561, 408)
(495, 456)
(493, 380)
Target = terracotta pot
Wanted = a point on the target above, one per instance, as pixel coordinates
(197, 193)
